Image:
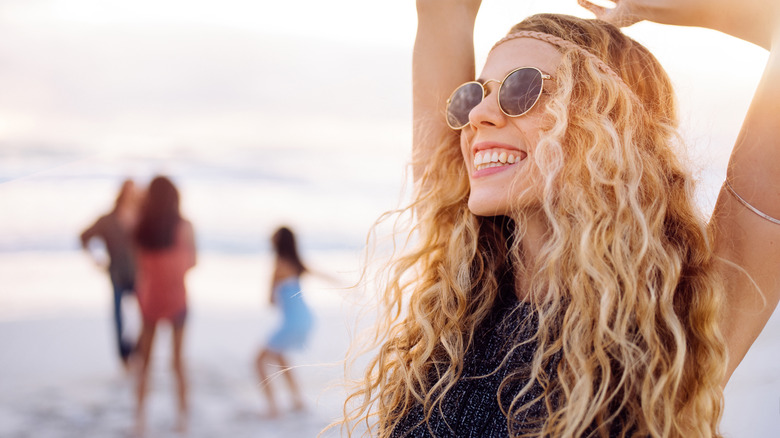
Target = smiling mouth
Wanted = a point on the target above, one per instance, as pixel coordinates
(497, 158)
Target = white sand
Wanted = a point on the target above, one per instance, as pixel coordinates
(61, 380)
(60, 377)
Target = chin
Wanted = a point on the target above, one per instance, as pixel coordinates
(487, 207)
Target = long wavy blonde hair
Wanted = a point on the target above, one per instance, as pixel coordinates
(624, 288)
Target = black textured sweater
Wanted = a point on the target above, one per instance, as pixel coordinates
(471, 407)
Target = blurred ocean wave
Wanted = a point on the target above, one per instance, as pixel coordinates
(233, 200)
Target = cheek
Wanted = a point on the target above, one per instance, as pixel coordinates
(529, 127)
(465, 147)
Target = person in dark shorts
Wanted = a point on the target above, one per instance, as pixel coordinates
(115, 229)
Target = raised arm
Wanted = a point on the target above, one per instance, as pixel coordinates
(89, 233)
(741, 235)
(443, 58)
(95, 230)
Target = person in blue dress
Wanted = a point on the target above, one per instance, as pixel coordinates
(296, 321)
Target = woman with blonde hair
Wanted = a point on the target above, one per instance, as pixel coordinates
(562, 282)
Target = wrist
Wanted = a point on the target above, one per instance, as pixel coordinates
(440, 9)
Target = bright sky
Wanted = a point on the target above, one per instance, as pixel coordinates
(71, 64)
(146, 75)
(158, 77)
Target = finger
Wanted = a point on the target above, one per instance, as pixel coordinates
(620, 15)
(598, 11)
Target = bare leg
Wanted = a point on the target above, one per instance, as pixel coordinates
(144, 355)
(181, 378)
(291, 382)
(261, 363)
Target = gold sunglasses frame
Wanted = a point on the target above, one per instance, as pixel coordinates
(543, 75)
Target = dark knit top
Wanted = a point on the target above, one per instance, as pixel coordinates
(471, 407)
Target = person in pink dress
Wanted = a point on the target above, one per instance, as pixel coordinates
(165, 251)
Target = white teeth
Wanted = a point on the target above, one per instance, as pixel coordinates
(485, 160)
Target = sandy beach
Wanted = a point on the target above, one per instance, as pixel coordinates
(60, 378)
(58, 384)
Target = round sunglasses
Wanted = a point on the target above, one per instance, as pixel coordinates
(517, 94)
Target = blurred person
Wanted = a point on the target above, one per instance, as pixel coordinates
(165, 249)
(561, 281)
(115, 229)
(296, 322)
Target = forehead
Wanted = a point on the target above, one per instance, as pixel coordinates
(520, 52)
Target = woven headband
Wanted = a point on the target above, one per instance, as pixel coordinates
(564, 44)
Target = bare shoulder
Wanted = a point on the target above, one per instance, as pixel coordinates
(284, 269)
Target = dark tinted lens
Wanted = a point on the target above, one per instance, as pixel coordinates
(520, 91)
(463, 100)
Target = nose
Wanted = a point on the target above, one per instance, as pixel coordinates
(487, 113)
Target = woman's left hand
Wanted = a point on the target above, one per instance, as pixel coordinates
(757, 21)
(677, 12)
(623, 14)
